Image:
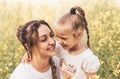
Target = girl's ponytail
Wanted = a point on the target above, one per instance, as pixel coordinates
(80, 12)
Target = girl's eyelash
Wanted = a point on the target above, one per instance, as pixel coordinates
(52, 35)
(63, 38)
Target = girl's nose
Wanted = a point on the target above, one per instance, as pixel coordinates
(60, 41)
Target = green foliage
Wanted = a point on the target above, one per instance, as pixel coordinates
(104, 24)
(105, 31)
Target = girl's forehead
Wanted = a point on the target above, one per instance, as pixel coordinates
(63, 32)
(63, 27)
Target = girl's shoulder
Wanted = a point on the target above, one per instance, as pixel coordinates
(89, 56)
(91, 62)
(88, 53)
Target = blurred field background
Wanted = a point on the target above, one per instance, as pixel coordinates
(104, 23)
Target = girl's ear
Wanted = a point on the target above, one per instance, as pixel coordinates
(78, 33)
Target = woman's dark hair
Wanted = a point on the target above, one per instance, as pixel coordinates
(77, 18)
(28, 35)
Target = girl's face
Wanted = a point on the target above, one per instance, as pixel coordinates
(46, 43)
(64, 35)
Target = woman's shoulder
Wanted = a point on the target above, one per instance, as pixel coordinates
(20, 67)
(19, 72)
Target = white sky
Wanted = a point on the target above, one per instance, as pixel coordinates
(47, 2)
(33, 1)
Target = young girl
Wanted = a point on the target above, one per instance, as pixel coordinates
(37, 39)
(77, 60)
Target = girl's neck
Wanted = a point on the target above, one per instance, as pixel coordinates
(77, 49)
(40, 64)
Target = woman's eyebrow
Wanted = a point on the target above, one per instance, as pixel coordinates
(51, 32)
(42, 36)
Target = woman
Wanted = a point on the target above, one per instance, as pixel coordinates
(38, 40)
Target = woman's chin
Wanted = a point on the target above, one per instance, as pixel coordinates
(53, 53)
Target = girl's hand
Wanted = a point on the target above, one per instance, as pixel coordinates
(25, 58)
(92, 76)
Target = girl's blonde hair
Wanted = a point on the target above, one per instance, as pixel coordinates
(77, 18)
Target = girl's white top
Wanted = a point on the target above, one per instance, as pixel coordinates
(76, 66)
(27, 71)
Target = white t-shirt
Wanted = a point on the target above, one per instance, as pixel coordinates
(75, 66)
(27, 71)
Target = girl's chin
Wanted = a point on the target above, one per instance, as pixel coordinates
(65, 47)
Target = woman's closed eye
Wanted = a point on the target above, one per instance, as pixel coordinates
(42, 39)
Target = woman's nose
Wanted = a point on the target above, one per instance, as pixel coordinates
(51, 40)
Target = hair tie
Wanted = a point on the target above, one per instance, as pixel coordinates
(73, 11)
(88, 36)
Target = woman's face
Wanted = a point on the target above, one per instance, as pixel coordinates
(46, 43)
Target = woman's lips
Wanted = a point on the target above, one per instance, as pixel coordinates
(51, 49)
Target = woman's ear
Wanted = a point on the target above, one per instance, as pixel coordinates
(26, 46)
(28, 52)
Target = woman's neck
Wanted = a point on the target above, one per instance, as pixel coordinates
(40, 64)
